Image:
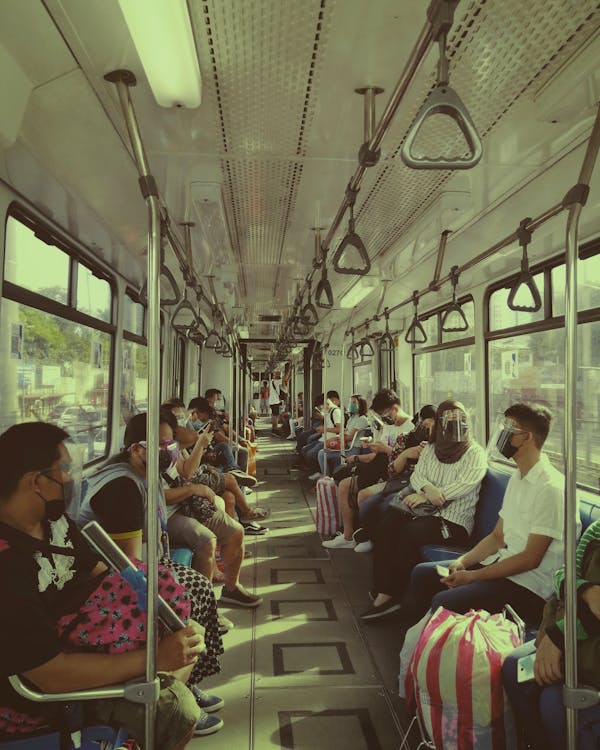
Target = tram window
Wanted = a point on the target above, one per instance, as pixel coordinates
(447, 373)
(468, 308)
(133, 319)
(431, 328)
(588, 285)
(363, 379)
(179, 366)
(33, 264)
(93, 294)
(57, 371)
(134, 380)
(501, 316)
(530, 367)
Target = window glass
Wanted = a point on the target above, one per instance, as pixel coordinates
(468, 309)
(430, 326)
(31, 263)
(448, 373)
(55, 371)
(134, 381)
(530, 367)
(588, 285)
(363, 380)
(133, 316)
(93, 294)
(502, 317)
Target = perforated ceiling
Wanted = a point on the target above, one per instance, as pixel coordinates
(262, 62)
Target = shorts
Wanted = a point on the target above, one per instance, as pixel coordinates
(275, 409)
(176, 714)
(190, 533)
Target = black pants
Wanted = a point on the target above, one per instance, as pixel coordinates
(398, 540)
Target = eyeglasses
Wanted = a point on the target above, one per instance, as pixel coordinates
(65, 468)
(168, 445)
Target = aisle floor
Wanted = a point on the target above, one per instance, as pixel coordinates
(301, 672)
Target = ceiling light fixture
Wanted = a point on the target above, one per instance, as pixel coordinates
(163, 38)
(363, 287)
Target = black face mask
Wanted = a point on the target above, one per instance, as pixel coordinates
(164, 460)
(56, 507)
(504, 446)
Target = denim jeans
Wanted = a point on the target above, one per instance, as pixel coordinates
(227, 460)
(372, 510)
(540, 711)
(333, 459)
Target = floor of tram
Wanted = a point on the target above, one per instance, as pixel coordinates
(302, 672)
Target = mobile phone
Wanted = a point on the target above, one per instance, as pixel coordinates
(206, 427)
(442, 571)
(525, 668)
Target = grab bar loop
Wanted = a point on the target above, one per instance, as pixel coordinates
(309, 311)
(386, 342)
(352, 240)
(416, 333)
(166, 272)
(525, 278)
(324, 292)
(443, 100)
(454, 319)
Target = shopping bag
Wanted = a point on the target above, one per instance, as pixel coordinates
(454, 680)
(329, 518)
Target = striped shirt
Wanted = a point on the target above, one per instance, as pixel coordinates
(460, 482)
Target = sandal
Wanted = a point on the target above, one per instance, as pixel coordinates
(257, 514)
(218, 577)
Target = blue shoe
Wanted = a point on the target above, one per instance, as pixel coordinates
(207, 724)
(207, 702)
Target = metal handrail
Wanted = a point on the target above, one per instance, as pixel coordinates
(123, 80)
(577, 198)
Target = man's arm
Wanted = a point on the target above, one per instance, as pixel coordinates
(489, 545)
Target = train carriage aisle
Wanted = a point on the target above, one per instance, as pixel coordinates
(300, 672)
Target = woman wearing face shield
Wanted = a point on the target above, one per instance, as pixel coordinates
(437, 508)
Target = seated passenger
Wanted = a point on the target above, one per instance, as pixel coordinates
(312, 431)
(438, 507)
(193, 446)
(357, 425)
(538, 703)
(516, 562)
(59, 579)
(332, 419)
(220, 453)
(374, 501)
(368, 468)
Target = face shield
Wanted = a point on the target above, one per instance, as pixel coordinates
(454, 426)
(70, 475)
(168, 453)
(500, 445)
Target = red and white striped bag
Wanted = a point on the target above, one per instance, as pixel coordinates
(329, 518)
(454, 680)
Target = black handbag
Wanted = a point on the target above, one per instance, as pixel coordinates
(344, 471)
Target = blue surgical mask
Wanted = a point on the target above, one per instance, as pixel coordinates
(182, 422)
(196, 424)
(353, 408)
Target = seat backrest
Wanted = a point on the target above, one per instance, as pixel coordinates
(491, 495)
(588, 512)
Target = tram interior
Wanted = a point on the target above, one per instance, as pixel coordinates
(259, 186)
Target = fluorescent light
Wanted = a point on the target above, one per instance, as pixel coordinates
(363, 287)
(162, 35)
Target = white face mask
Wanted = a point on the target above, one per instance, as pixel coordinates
(220, 405)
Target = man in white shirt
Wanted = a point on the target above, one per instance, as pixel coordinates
(515, 563)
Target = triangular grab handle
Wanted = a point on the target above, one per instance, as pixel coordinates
(526, 278)
(443, 100)
(324, 290)
(310, 315)
(416, 333)
(352, 240)
(164, 301)
(454, 309)
(185, 304)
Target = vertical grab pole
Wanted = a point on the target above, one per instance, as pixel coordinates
(124, 79)
(575, 200)
(343, 423)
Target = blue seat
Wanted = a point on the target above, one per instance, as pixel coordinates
(491, 495)
(182, 555)
(91, 737)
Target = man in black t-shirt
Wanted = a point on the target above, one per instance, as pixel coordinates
(47, 571)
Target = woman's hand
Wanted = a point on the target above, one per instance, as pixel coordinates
(458, 578)
(413, 452)
(416, 498)
(205, 439)
(180, 649)
(434, 495)
(379, 447)
(591, 596)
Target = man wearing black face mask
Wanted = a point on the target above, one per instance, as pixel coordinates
(47, 572)
(515, 564)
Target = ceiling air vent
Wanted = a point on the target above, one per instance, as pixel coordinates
(269, 318)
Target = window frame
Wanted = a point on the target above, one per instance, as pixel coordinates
(21, 295)
(549, 322)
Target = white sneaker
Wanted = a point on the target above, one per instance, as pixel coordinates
(315, 476)
(338, 542)
(364, 546)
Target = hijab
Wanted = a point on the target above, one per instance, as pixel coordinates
(449, 449)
